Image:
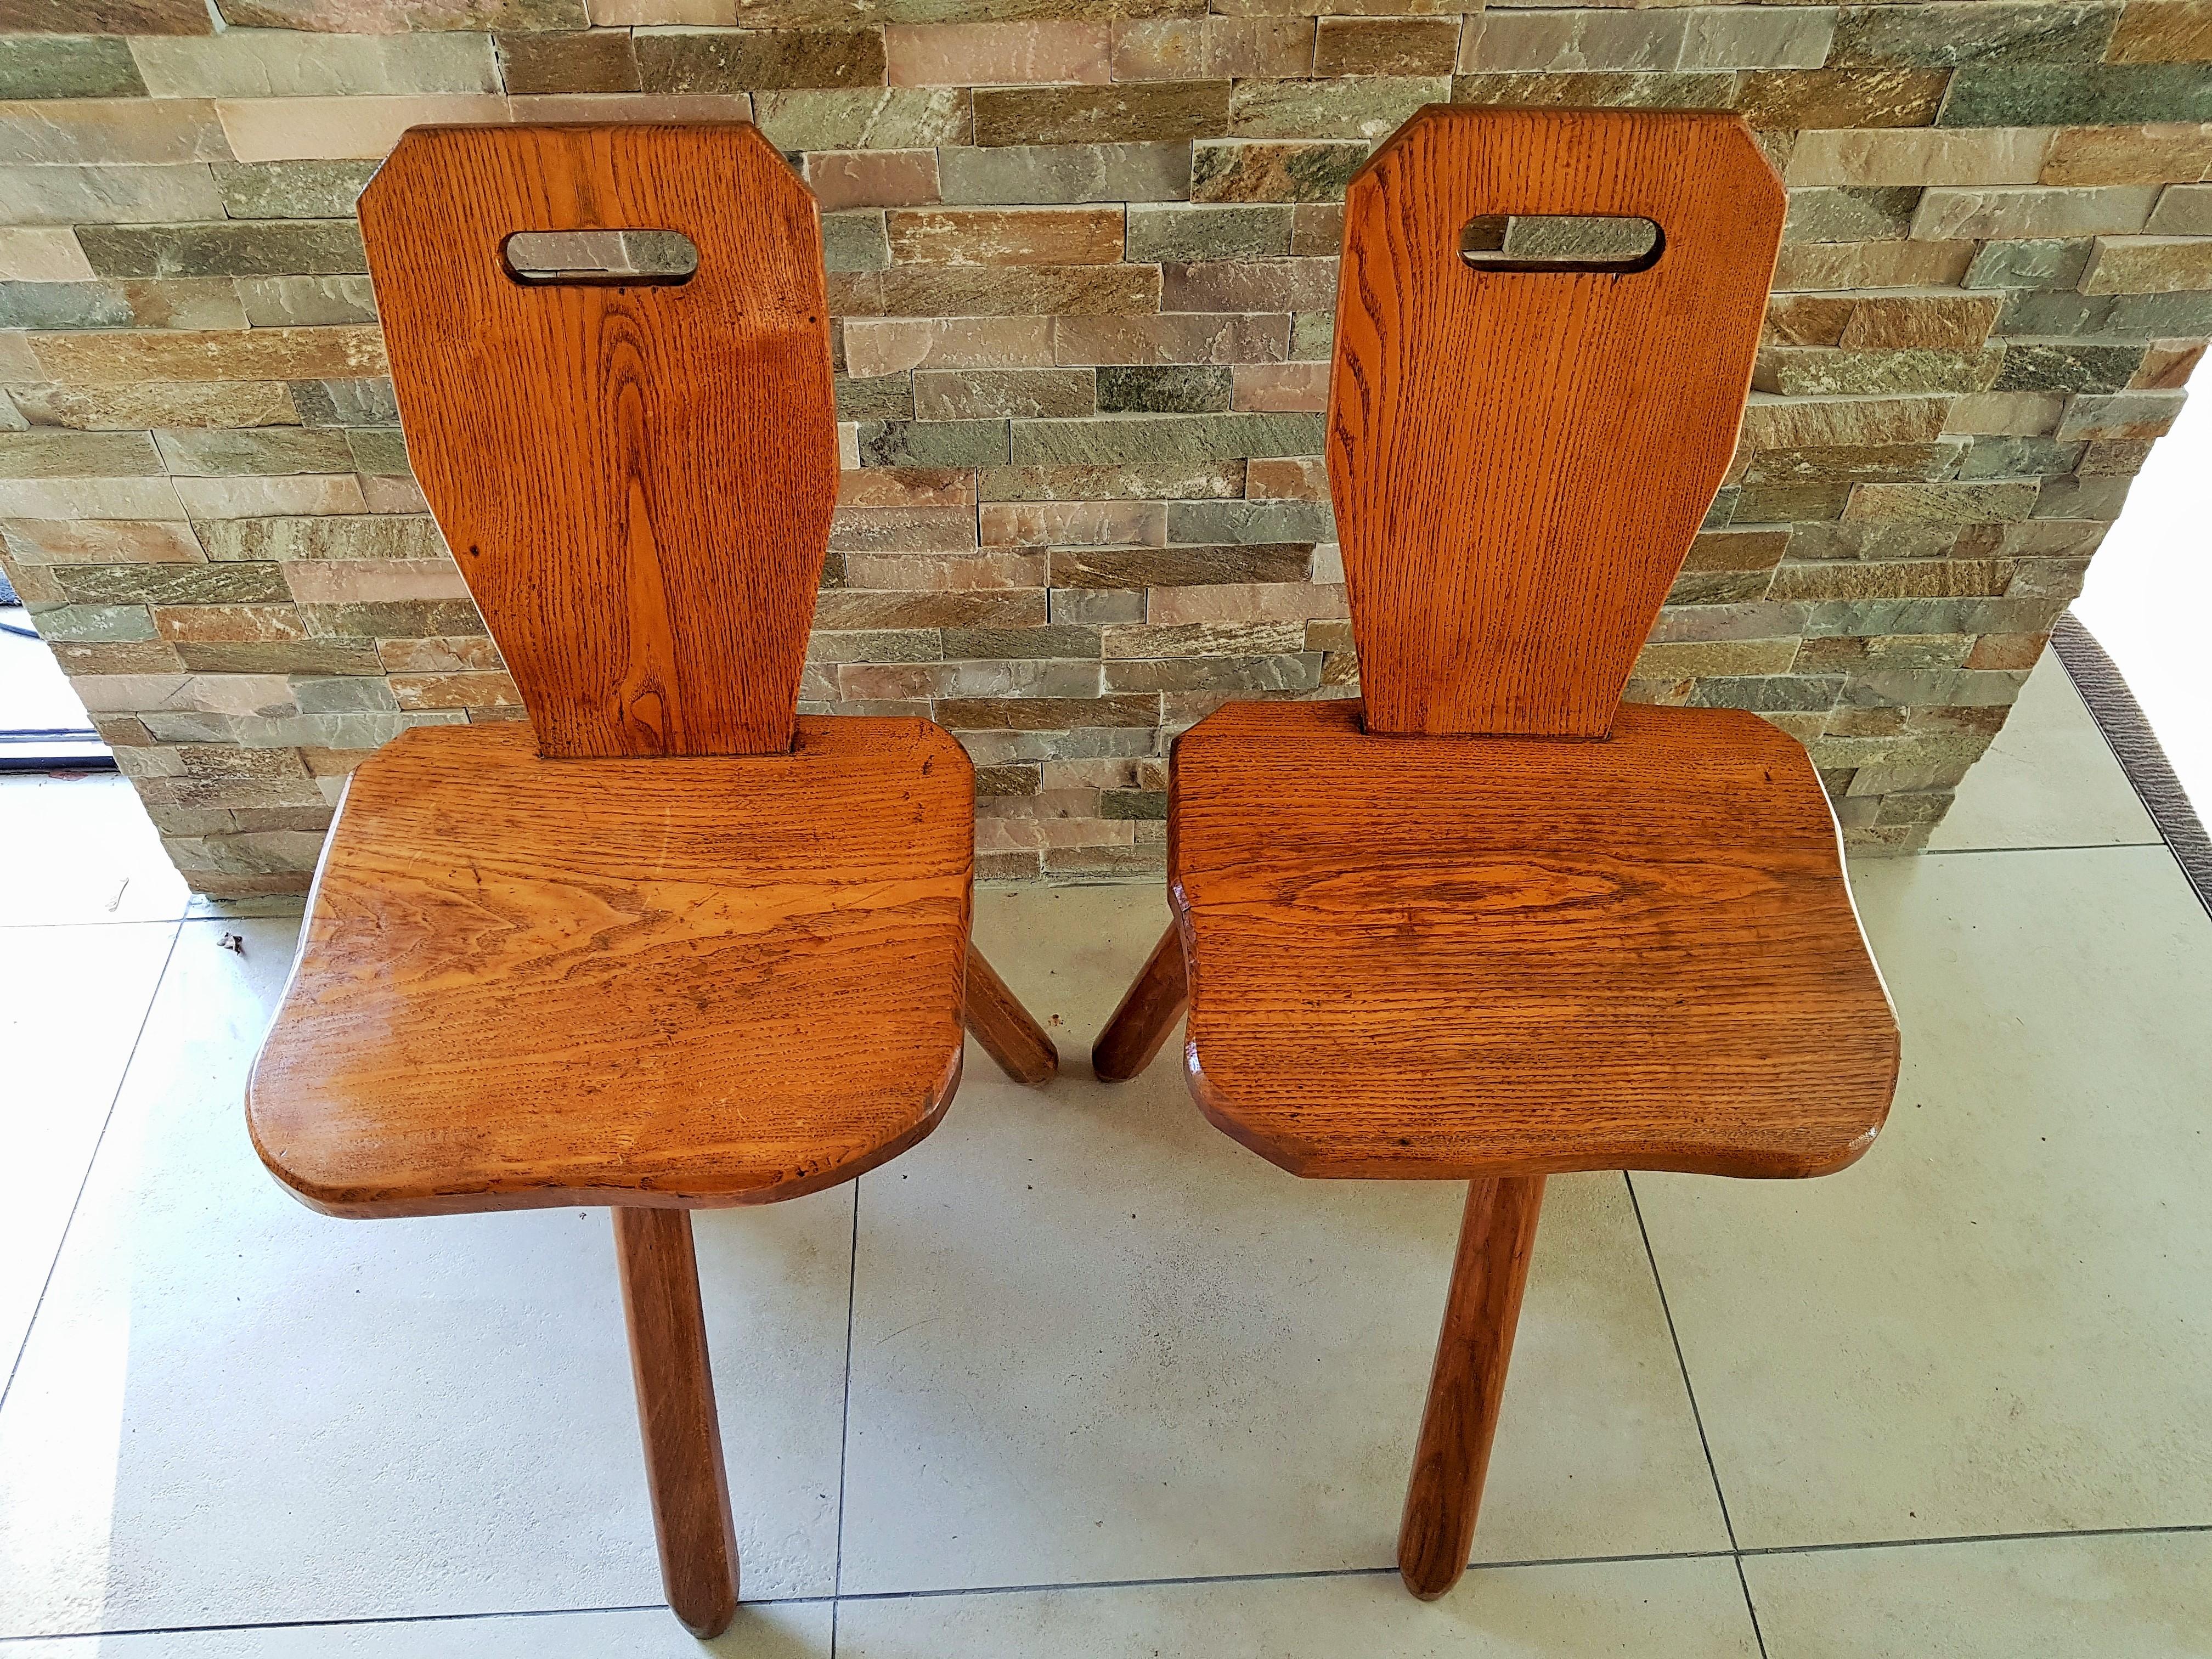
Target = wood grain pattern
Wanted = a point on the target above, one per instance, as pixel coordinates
(677, 1417)
(1519, 459)
(1008, 1032)
(1140, 1027)
(1482, 1311)
(676, 981)
(1453, 957)
(636, 481)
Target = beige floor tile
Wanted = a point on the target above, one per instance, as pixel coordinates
(2144, 1595)
(1095, 1340)
(1995, 1322)
(231, 1409)
(768, 1630)
(79, 848)
(72, 1002)
(2050, 780)
(1652, 1609)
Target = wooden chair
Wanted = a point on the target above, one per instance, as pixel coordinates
(1489, 924)
(668, 946)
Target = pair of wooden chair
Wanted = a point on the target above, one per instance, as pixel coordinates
(670, 946)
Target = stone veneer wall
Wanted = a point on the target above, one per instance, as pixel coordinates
(1083, 258)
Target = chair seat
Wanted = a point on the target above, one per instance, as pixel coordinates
(691, 980)
(1476, 956)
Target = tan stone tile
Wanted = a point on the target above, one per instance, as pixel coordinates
(102, 358)
(90, 498)
(1772, 422)
(459, 690)
(1921, 156)
(997, 54)
(1256, 602)
(1280, 386)
(60, 132)
(99, 541)
(2163, 32)
(341, 128)
(2172, 153)
(353, 581)
(251, 497)
(1217, 47)
(1023, 236)
(1836, 265)
(1946, 214)
(1074, 524)
(41, 254)
(1297, 479)
(872, 177)
(2149, 264)
(2005, 414)
(1938, 321)
(1187, 337)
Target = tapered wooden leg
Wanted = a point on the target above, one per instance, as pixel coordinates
(1146, 1015)
(1480, 1312)
(1008, 1032)
(676, 1411)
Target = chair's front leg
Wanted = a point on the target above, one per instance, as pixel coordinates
(1009, 1032)
(1146, 1015)
(675, 1412)
(1480, 1312)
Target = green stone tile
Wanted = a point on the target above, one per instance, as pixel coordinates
(715, 60)
(1043, 175)
(882, 118)
(93, 623)
(2076, 95)
(172, 584)
(47, 453)
(1362, 107)
(68, 66)
(1769, 694)
(2066, 366)
(1234, 522)
(291, 190)
(855, 241)
(1117, 439)
(265, 451)
(1165, 389)
(1945, 36)
(933, 443)
(379, 451)
(1020, 644)
(346, 403)
(1851, 213)
(2047, 262)
(1184, 234)
(1313, 336)
(269, 249)
(191, 304)
(307, 301)
(883, 398)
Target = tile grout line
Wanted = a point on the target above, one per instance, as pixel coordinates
(1286, 1577)
(1697, 1417)
(845, 1416)
(61, 1241)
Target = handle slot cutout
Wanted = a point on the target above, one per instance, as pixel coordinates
(599, 258)
(1617, 244)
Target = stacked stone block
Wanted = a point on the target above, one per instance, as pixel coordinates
(1083, 266)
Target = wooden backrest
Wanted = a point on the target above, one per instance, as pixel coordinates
(635, 479)
(1519, 457)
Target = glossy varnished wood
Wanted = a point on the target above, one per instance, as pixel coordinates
(675, 1416)
(678, 981)
(637, 480)
(1010, 1033)
(1455, 958)
(1519, 459)
(1140, 1025)
(1482, 1311)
